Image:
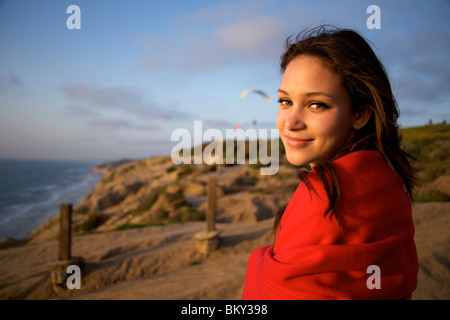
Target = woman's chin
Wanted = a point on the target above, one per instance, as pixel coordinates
(296, 160)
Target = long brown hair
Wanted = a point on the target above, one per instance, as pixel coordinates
(349, 55)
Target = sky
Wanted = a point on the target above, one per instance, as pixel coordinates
(135, 71)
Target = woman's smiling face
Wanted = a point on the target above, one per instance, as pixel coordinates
(315, 116)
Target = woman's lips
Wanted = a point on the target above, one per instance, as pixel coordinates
(296, 142)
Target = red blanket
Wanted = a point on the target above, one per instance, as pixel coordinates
(313, 258)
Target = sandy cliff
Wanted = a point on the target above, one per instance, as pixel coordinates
(155, 191)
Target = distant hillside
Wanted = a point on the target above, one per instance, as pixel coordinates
(430, 145)
(106, 167)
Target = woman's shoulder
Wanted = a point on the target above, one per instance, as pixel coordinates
(373, 200)
(366, 168)
(359, 171)
(361, 160)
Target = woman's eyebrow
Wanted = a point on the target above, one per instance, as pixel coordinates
(310, 94)
(282, 91)
(313, 94)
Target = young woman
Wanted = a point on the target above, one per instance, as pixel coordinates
(347, 232)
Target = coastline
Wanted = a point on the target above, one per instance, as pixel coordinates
(108, 166)
(32, 191)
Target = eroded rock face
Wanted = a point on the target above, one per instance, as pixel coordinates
(110, 199)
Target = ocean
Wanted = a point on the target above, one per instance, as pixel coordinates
(32, 190)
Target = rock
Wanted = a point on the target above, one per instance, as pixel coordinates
(442, 184)
(60, 276)
(194, 188)
(109, 200)
(206, 242)
(247, 207)
(133, 187)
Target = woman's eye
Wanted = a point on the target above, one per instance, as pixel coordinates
(284, 102)
(318, 105)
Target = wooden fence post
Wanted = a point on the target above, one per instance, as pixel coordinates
(212, 205)
(208, 241)
(59, 270)
(65, 232)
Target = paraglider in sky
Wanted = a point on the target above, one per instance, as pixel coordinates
(247, 91)
(238, 127)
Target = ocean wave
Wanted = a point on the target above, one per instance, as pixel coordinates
(18, 219)
(48, 187)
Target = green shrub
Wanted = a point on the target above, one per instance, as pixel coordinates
(149, 200)
(92, 222)
(185, 170)
(187, 213)
(433, 195)
(127, 226)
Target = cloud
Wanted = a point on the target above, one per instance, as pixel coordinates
(218, 14)
(423, 66)
(80, 110)
(259, 38)
(114, 97)
(111, 124)
(87, 100)
(244, 35)
(217, 124)
(114, 124)
(10, 81)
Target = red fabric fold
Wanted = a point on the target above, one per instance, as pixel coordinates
(315, 258)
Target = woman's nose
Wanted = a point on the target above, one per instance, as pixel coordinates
(295, 120)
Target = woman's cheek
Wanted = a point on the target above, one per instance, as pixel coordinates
(280, 120)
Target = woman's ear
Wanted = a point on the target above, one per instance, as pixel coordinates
(362, 117)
